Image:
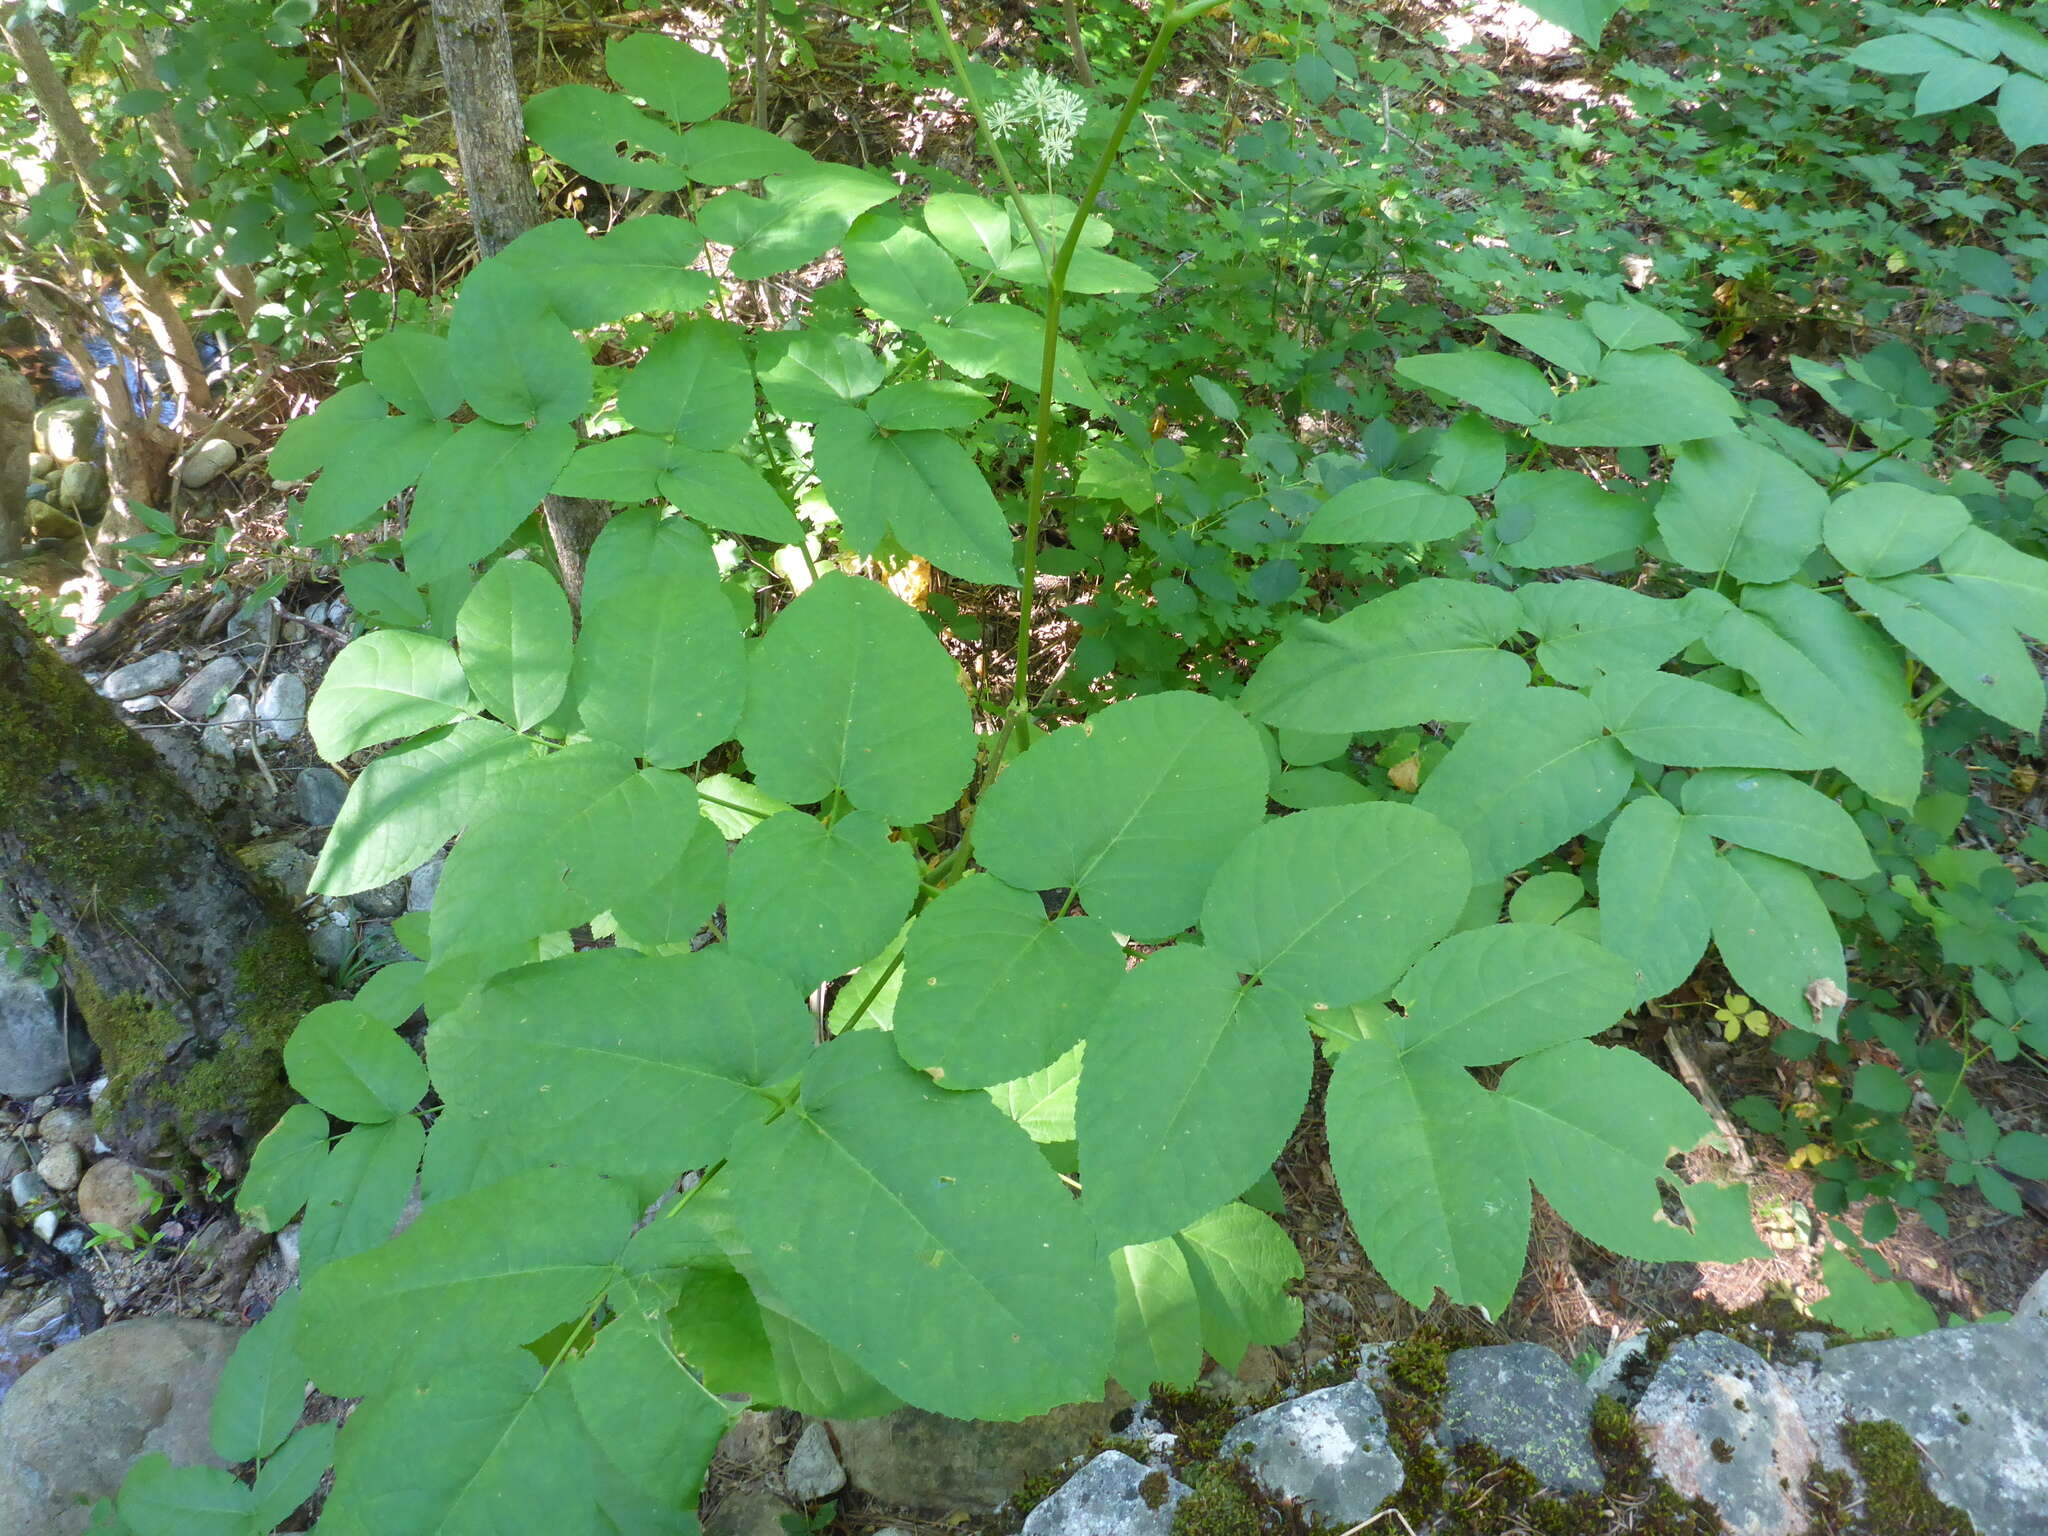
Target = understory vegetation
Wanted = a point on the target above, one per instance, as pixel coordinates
(1293, 566)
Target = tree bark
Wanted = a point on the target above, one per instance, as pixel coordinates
(490, 141)
(189, 972)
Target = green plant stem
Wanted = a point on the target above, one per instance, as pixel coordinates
(1055, 294)
(958, 59)
(895, 964)
(1989, 401)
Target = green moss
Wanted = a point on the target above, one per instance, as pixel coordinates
(1219, 1505)
(1895, 1482)
(1152, 1488)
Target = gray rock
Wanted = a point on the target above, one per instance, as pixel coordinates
(748, 1512)
(44, 1225)
(1972, 1399)
(230, 728)
(1718, 1423)
(82, 488)
(381, 901)
(74, 1424)
(41, 466)
(152, 674)
(1524, 1403)
(750, 1441)
(70, 1241)
(207, 689)
(108, 1196)
(1606, 1380)
(423, 882)
(1327, 1451)
(282, 706)
(923, 1463)
(208, 462)
(27, 1190)
(332, 942)
(318, 795)
(67, 1124)
(282, 860)
(13, 1158)
(40, 1047)
(2035, 1302)
(61, 1167)
(1111, 1496)
(65, 428)
(143, 705)
(813, 1471)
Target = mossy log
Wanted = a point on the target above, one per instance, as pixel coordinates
(188, 971)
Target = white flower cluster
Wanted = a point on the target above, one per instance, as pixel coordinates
(1038, 103)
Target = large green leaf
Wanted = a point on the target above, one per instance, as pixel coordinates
(310, 442)
(1431, 1175)
(1008, 340)
(490, 1442)
(1886, 530)
(605, 137)
(1596, 1126)
(565, 837)
(901, 273)
(1833, 678)
(360, 1192)
(2009, 584)
(1134, 811)
(473, 1273)
(674, 909)
(1656, 882)
(1776, 937)
(411, 368)
(999, 1304)
(802, 215)
(922, 486)
(677, 80)
(1776, 814)
(388, 683)
(292, 1476)
(1736, 506)
(653, 1420)
(1242, 1263)
(1632, 325)
(352, 1065)
(1494, 993)
(807, 374)
(1042, 1102)
(1642, 399)
(1193, 1082)
(993, 990)
(1671, 719)
(1427, 651)
(725, 154)
(812, 901)
(477, 490)
(283, 1167)
(372, 463)
(1554, 337)
(1591, 627)
(1554, 517)
(643, 265)
(158, 1499)
(694, 385)
(1331, 906)
(1492, 382)
(659, 669)
(514, 634)
(649, 1064)
(262, 1389)
(1384, 511)
(516, 359)
(1584, 19)
(722, 490)
(407, 804)
(1976, 652)
(1533, 772)
(1158, 1319)
(849, 691)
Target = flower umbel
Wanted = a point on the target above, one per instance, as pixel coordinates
(1040, 103)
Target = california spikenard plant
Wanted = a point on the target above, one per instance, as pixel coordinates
(1008, 1166)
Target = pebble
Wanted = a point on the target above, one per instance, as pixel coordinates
(45, 1224)
(229, 729)
(423, 882)
(142, 705)
(383, 900)
(82, 488)
(107, 1195)
(27, 1190)
(148, 675)
(282, 706)
(813, 1471)
(207, 689)
(208, 462)
(67, 1124)
(71, 1241)
(318, 794)
(62, 1166)
(41, 466)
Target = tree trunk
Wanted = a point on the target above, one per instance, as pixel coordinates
(188, 971)
(490, 140)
